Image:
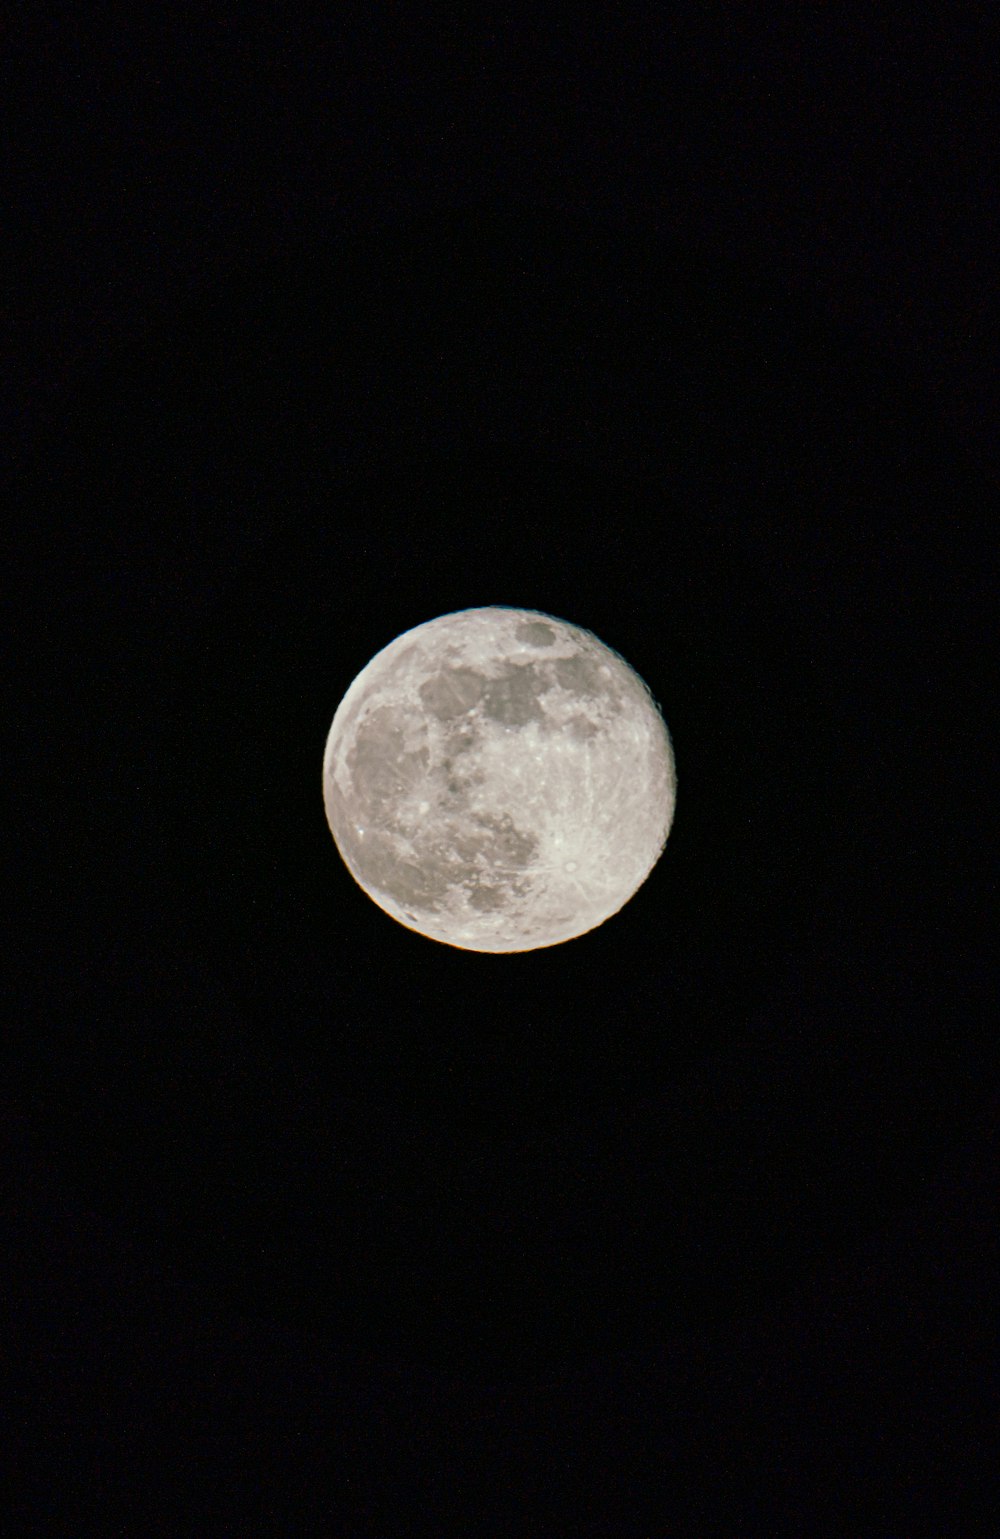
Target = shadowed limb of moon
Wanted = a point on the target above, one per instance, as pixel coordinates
(499, 780)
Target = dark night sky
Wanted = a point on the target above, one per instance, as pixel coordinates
(684, 331)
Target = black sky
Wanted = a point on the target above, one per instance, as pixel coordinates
(683, 331)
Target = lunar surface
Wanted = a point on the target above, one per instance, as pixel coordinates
(499, 780)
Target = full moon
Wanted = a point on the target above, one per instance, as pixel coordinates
(499, 780)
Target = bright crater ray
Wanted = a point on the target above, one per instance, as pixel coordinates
(499, 780)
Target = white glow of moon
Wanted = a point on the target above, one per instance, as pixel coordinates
(499, 780)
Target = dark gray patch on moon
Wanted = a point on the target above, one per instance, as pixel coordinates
(380, 764)
(480, 854)
(376, 858)
(464, 848)
(487, 900)
(452, 692)
(457, 775)
(423, 871)
(507, 845)
(494, 852)
(485, 842)
(418, 885)
(582, 730)
(535, 634)
(463, 740)
(582, 675)
(513, 698)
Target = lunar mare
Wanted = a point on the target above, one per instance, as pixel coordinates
(499, 780)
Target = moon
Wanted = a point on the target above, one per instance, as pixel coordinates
(499, 780)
